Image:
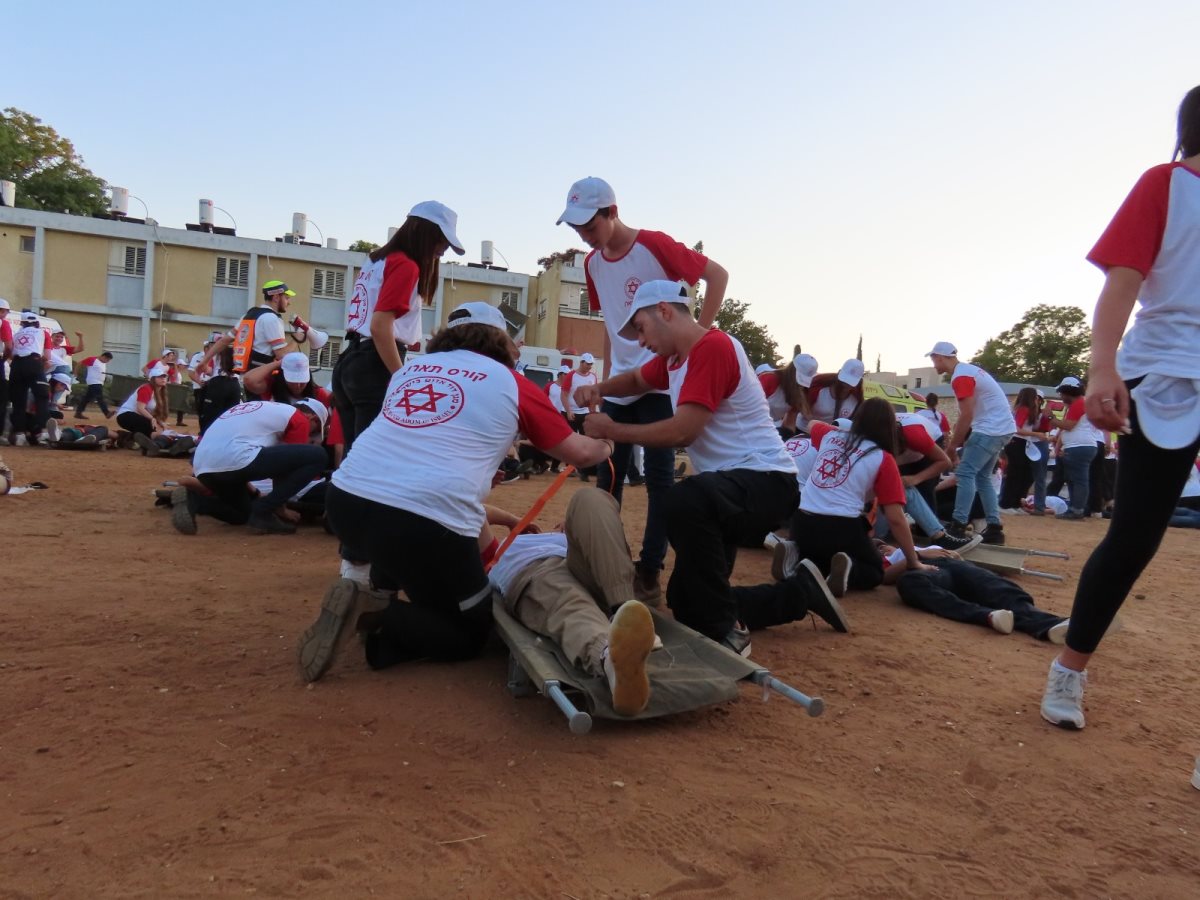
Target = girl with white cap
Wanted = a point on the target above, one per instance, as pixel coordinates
(837, 396)
(1149, 391)
(409, 495)
(142, 414)
(384, 315)
(787, 393)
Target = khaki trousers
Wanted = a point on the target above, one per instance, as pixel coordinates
(567, 600)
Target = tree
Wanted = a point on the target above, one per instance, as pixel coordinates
(1049, 343)
(47, 171)
(858, 352)
(566, 256)
(732, 319)
(361, 246)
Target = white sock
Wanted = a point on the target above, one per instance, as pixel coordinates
(357, 572)
(1059, 667)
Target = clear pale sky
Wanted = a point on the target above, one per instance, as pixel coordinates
(915, 172)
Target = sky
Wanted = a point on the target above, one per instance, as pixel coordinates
(909, 172)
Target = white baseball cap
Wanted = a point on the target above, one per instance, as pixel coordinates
(478, 313)
(585, 197)
(156, 371)
(1069, 381)
(563, 370)
(764, 369)
(851, 372)
(62, 378)
(316, 407)
(444, 218)
(943, 348)
(295, 368)
(843, 424)
(806, 368)
(28, 315)
(587, 358)
(4, 304)
(651, 293)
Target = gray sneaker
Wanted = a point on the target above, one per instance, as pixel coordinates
(340, 608)
(839, 574)
(1062, 703)
(182, 516)
(738, 640)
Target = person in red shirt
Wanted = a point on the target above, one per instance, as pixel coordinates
(1019, 473)
(6, 348)
(285, 381)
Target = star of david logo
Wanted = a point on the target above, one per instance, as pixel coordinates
(428, 404)
(574, 198)
(829, 469)
(631, 286)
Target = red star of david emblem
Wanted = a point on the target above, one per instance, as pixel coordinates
(631, 286)
(830, 468)
(574, 198)
(428, 404)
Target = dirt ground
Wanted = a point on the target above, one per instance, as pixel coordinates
(157, 741)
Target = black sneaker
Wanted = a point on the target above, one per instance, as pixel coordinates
(738, 640)
(149, 448)
(960, 544)
(821, 601)
(269, 523)
(181, 446)
(957, 529)
(994, 535)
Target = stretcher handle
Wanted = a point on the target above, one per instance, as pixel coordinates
(577, 720)
(814, 705)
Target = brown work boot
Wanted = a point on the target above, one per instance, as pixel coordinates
(645, 586)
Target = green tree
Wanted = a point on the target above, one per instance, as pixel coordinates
(361, 246)
(1049, 343)
(47, 171)
(567, 256)
(732, 319)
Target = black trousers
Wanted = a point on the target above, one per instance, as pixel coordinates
(964, 592)
(359, 385)
(448, 613)
(28, 385)
(3, 398)
(135, 423)
(1100, 480)
(819, 537)
(1018, 475)
(777, 603)
(708, 516)
(94, 393)
(1149, 482)
(289, 466)
(218, 395)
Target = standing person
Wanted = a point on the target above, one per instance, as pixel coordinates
(1149, 392)
(983, 411)
(410, 494)
(554, 394)
(1077, 438)
(261, 335)
(575, 411)
(96, 370)
(222, 389)
(384, 315)
(786, 390)
(29, 381)
(1019, 452)
(745, 483)
(621, 259)
(837, 396)
(200, 370)
(6, 348)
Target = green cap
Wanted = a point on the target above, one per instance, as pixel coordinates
(277, 287)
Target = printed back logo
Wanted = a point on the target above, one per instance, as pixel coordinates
(241, 409)
(423, 401)
(798, 446)
(832, 469)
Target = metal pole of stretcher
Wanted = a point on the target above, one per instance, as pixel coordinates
(814, 705)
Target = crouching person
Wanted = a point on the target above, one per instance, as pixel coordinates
(249, 442)
(563, 585)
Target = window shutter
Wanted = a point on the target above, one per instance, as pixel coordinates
(222, 263)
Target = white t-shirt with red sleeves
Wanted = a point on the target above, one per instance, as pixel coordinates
(387, 285)
(30, 341)
(842, 482)
(717, 375)
(920, 436)
(1084, 434)
(993, 415)
(612, 283)
(803, 454)
(777, 404)
(448, 420)
(237, 436)
(144, 394)
(937, 418)
(572, 383)
(95, 370)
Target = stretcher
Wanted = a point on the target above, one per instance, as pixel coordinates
(689, 672)
(1010, 560)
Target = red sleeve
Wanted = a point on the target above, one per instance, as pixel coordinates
(335, 434)
(964, 387)
(69, 347)
(593, 297)
(145, 392)
(324, 396)
(5, 331)
(1075, 410)
(546, 388)
(399, 281)
(537, 419)
(566, 387)
(944, 423)
(1134, 235)
(769, 382)
(1021, 417)
(296, 431)
(918, 439)
(654, 373)
(680, 263)
(91, 360)
(889, 488)
(817, 431)
(713, 372)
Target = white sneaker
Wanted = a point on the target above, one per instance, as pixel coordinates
(1058, 633)
(1062, 704)
(43, 440)
(785, 561)
(771, 541)
(1001, 620)
(53, 431)
(21, 441)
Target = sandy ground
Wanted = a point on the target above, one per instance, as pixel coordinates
(157, 741)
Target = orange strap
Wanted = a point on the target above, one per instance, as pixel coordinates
(532, 514)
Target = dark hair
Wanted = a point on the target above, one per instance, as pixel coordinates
(417, 239)
(931, 400)
(794, 392)
(1027, 397)
(873, 421)
(1187, 128)
(482, 339)
(281, 394)
(107, 353)
(1068, 390)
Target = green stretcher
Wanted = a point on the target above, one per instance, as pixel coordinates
(1011, 560)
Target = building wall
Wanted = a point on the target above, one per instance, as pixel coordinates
(183, 279)
(16, 266)
(80, 269)
(581, 335)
